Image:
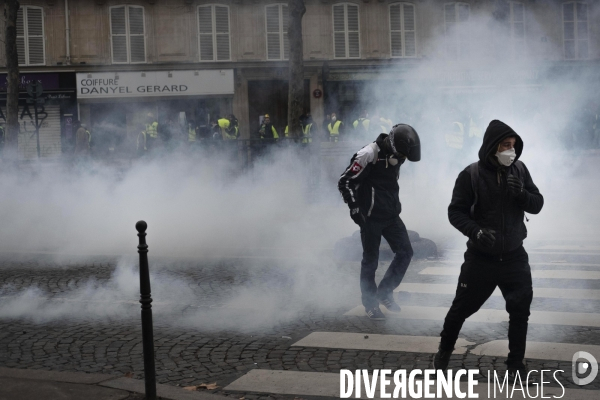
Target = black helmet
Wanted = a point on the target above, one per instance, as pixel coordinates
(405, 140)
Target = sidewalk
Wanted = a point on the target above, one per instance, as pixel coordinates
(29, 384)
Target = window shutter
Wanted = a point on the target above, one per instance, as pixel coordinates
(273, 33)
(222, 32)
(353, 31)
(339, 31)
(582, 30)
(118, 31)
(395, 31)
(569, 29)
(285, 16)
(205, 37)
(137, 40)
(21, 37)
(35, 36)
(410, 37)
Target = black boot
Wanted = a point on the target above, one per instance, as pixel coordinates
(441, 359)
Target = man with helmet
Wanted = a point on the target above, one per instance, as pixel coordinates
(488, 204)
(370, 188)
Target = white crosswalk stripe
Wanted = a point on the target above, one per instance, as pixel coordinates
(327, 384)
(433, 280)
(552, 293)
(490, 316)
(360, 341)
(537, 350)
(541, 274)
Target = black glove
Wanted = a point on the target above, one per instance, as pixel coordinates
(485, 237)
(356, 215)
(515, 186)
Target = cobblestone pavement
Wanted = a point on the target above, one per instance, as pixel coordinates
(216, 320)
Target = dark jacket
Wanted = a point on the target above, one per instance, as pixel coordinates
(371, 183)
(496, 209)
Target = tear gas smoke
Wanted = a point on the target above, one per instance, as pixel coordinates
(209, 207)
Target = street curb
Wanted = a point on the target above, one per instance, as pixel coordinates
(56, 376)
(166, 391)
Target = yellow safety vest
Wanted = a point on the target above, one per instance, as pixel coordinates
(191, 134)
(152, 129)
(224, 124)
(335, 129)
(364, 122)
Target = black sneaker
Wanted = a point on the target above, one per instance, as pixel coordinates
(389, 303)
(441, 359)
(375, 314)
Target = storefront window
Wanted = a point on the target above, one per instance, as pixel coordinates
(30, 36)
(128, 37)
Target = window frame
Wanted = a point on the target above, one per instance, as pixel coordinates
(26, 35)
(214, 30)
(459, 44)
(346, 32)
(576, 38)
(281, 33)
(512, 28)
(402, 30)
(127, 34)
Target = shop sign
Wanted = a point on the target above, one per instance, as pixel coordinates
(98, 85)
(48, 81)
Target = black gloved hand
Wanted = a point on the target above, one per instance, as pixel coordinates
(515, 186)
(485, 237)
(357, 216)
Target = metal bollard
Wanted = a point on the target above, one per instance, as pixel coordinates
(146, 301)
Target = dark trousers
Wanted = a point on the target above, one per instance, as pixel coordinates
(479, 276)
(395, 233)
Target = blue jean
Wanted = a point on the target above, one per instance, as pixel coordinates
(394, 232)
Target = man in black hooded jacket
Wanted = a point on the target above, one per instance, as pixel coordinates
(490, 212)
(370, 188)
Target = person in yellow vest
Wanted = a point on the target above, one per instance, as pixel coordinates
(234, 129)
(335, 128)
(192, 131)
(151, 132)
(306, 127)
(226, 129)
(307, 124)
(362, 125)
(267, 130)
(380, 124)
(83, 137)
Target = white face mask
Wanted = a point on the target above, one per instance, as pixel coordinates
(333, 118)
(393, 161)
(506, 157)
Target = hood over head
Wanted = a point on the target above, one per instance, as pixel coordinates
(496, 132)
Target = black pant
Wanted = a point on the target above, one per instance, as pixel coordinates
(479, 276)
(395, 233)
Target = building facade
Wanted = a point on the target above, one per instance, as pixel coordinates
(118, 60)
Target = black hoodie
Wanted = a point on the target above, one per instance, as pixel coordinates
(496, 208)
